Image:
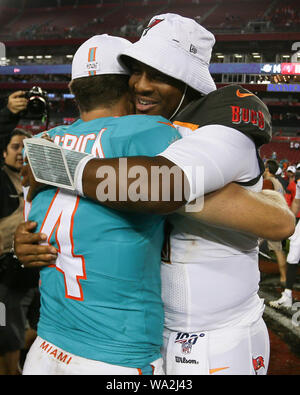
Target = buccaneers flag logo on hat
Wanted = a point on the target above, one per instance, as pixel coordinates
(151, 24)
(258, 363)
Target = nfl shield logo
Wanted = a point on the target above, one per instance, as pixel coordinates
(186, 348)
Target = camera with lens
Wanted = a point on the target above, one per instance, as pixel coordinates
(38, 106)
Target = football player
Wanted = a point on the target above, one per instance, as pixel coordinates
(210, 278)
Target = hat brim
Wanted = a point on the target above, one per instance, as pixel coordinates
(172, 61)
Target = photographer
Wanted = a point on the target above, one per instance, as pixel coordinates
(18, 286)
(10, 116)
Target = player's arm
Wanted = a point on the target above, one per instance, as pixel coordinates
(158, 193)
(116, 182)
(201, 166)
(264, 214)
(92, 178)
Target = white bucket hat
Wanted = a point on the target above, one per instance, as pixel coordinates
(176, 46)
(98, 55)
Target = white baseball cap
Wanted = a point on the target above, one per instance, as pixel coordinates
(98, 55)
(292, 169)
(176, 46)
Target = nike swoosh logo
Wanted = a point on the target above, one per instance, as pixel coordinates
(240, 94)
(212, 371)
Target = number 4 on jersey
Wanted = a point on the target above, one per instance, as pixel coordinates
(60, 218)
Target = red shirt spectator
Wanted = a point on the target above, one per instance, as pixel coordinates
(291, 188)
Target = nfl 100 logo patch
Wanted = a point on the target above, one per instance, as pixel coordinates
(187, 340)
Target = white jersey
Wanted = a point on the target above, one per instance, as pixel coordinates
(212, 278)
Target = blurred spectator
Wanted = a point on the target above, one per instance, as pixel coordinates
(271, 182)
(293, 258)
(286, 15)
(291, 188)
(10, 116)
(279, 176)
(18, 286)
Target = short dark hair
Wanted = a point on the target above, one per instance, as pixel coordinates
(98, 90)
(20, 132)
(272, 165)
(15, 132)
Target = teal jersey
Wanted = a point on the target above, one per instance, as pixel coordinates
(102, 298)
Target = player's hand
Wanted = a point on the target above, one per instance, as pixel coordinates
(46, 136)
(28, 250)
(17, 102)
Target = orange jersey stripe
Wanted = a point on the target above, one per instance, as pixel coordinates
(191, 126)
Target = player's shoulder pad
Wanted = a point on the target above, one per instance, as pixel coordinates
(232, 106)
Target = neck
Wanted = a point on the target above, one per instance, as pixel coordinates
(12, 168)
(189, 98)
(119, 109)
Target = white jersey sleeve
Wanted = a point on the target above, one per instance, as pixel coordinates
(213, 156)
